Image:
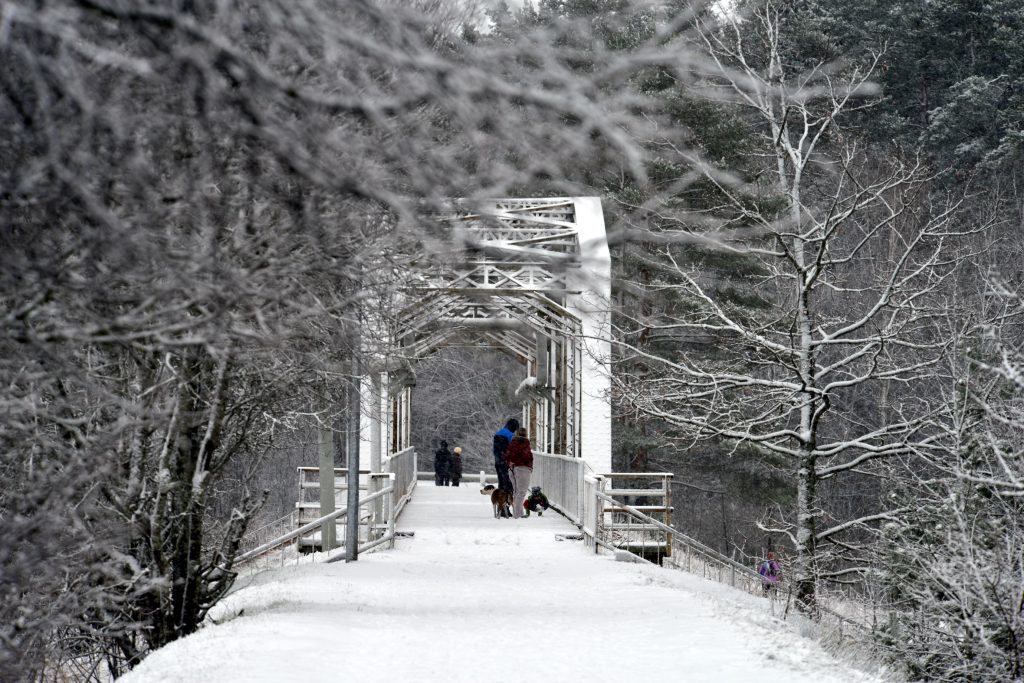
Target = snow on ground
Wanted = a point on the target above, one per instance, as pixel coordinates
(473, 598)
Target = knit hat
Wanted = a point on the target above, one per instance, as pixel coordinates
(458, 449)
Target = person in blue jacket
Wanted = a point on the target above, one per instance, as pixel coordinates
(502, 439)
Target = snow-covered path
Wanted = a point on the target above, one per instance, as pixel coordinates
(473, 598)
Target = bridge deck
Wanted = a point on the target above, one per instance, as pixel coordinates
(473, 598)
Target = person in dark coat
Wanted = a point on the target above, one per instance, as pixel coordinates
(536, 502)
(456, 468)
(519, 458)
(442, 464)
(502, 439)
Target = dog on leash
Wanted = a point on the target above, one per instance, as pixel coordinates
(501, 500)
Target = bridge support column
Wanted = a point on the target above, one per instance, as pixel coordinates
(352, 462)
(372, 449)
(593, 304)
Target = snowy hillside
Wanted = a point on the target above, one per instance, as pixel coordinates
(472, 598)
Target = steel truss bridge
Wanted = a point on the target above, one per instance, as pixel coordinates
(532, 278)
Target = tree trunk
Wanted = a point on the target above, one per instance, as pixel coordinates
(182, 516)
(806, 551)
(806, 523)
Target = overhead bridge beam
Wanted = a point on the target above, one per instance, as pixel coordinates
(483, 291)
(486, 324)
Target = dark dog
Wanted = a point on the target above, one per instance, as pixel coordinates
(501, 500)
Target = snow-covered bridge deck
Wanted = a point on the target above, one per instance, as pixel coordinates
(473, 598)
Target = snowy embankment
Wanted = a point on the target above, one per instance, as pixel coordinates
(473, 598)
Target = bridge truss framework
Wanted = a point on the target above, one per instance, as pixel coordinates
(531, 277)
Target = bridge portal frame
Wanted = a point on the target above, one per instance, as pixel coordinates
(531, 277)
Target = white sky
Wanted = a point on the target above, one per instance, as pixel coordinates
(473, 598)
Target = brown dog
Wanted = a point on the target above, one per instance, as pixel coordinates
(500, 499)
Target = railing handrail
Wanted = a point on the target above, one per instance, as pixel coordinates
(559, 456)
(312, 468)
(310, 526)
(569, 458)
(636, 475)
(279, 520)
(676, 534)
(389, 458)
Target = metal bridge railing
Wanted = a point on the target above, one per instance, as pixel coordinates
(647, 492)
(256, 537)
(307, 507)
(609, 522)
(384, 491)
(383, 496)
(563, 480)
(403, 465)
(632, 530)
(687, 553)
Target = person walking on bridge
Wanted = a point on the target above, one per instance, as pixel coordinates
(456, 468)
(502, 439)
(519, 458)
(442, 464)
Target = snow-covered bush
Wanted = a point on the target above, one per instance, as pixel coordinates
(955, 565)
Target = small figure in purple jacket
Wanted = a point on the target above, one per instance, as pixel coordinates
(770, 573)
